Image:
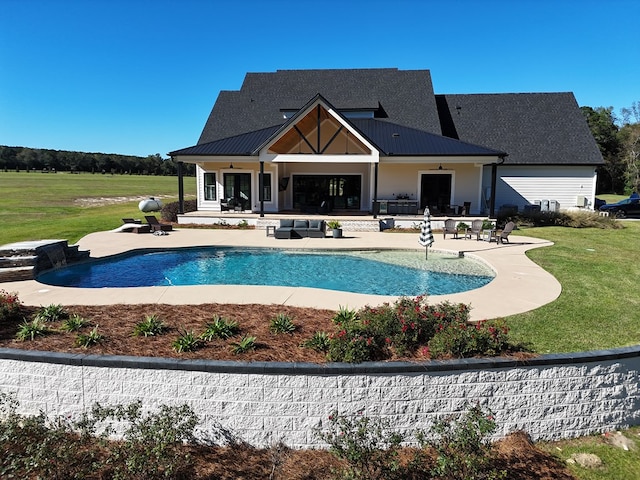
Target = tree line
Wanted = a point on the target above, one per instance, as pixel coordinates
(619, 140)
(43, 160)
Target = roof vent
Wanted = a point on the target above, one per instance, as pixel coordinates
(395, 134)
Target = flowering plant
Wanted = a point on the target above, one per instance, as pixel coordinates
(9, 305)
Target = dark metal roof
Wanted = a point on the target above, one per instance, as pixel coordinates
(388, 138)
(405, 96)
(238, 145)
(535, 128)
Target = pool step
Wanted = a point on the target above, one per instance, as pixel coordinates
(23, 260)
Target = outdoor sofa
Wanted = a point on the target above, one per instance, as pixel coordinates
(290, 228)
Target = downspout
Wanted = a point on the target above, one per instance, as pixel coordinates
(375, 190)
(261, 188)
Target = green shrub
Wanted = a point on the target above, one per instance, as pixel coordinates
(352, 346)
(282, 323)
(377, 333)
(86, 340)
(572, 219)
(10, 306)
(345, 315)
(246, 344)
(319, 342)
(462, 339)
(150, 326)
(220, 328)
(30, 330)
(74, 323)
(187, 341)
(169, 212)
(488, 224)
(52, 313)
(464, 447)
(368, 446)
(151, 448)
(33, 447)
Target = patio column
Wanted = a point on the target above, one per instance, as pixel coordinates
(180, 189)
(375, 190)
(492, 200)
(261, 188)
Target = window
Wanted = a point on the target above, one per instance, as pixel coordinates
(266, 187)
(210, 186)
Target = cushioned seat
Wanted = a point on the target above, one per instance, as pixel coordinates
(300, 228)
(316, 229)
(285, 229)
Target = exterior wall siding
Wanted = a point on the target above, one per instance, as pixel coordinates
(524, 185)
(550, 397)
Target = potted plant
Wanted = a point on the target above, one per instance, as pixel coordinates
(335, 226)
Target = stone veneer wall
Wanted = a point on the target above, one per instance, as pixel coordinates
(550, 397)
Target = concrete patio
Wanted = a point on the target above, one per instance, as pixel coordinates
(519, 286)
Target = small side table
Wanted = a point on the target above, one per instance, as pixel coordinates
(488, 235)
(271, 230)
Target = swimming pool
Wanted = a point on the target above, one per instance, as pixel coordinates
(377, 272)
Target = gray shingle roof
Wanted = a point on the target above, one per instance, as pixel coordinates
(397, 140)
(534, 128)
(406, 97)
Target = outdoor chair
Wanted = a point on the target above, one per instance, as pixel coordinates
(156, 226)
(503, 236)
(476, 229)
(450, 226)
(133, 226)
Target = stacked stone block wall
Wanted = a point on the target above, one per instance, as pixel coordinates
(550, 397)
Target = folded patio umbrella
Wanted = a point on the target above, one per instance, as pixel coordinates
(426, 235)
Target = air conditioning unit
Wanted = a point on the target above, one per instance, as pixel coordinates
(581, 201)
(544, 206)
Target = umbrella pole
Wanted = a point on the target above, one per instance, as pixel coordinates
(426, 252)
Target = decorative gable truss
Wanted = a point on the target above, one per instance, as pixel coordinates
(318, 129)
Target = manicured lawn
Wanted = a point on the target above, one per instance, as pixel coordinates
(37, 206)
(599, 306)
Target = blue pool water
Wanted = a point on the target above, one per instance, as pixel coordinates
(370, 272)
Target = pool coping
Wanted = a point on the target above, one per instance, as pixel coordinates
(520, 285)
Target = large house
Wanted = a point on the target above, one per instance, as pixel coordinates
(380, 141)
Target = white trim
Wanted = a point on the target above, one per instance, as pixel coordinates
(265, 156)
(319, 159)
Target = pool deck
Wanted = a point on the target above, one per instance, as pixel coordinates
(520, 285)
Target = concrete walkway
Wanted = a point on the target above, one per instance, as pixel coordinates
(519, 286)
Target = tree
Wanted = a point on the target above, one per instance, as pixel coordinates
(601, 121)
(630, 140)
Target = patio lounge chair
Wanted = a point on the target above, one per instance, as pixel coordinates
(503, 236)
(476, 229)
(450, 227)
(133, 226)
(156, 226)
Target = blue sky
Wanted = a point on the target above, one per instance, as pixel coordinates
(140, 77)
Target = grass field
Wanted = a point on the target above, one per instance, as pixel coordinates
(37, 206)
(599, 306)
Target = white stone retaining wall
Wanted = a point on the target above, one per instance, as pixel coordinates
(550, 397)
